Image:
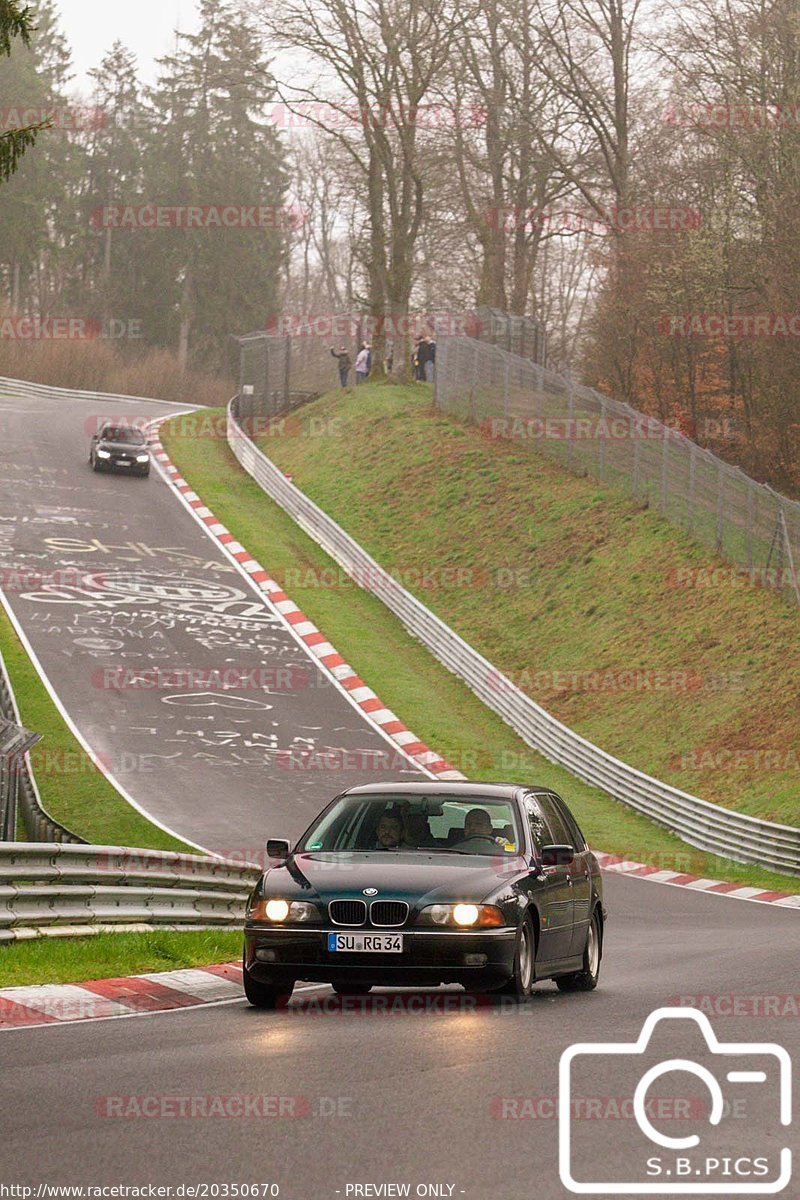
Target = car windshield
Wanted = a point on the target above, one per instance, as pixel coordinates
(123, 433)
(437, 824)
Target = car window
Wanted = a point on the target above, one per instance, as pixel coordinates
(471, 825)
(556, 824)
(575, 836)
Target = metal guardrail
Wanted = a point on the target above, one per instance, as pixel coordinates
(698, 822)
(18, 791)
(44, 391)
(62, 891)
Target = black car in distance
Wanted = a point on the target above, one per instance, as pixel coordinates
(488, 885)
(120, 447)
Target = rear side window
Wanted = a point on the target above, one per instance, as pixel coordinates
(540, 834)
(559, 830)
(575, 838)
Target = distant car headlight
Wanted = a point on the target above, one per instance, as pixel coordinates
(143, 458)
(284, 912)
(104, 454)
(464, 916)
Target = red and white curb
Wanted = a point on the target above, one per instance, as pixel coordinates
(135, 995)
(315, 643)
(696, 883)
(377, 714)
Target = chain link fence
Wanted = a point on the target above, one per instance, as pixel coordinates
(509, 397)
(281, 369)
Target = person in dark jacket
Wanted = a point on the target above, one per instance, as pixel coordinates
(430, 361)
(345, 363)
(420, 355)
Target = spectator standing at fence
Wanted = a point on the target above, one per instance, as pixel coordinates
(430, 361)
(344, 362)
(362, 365)
(418, 360)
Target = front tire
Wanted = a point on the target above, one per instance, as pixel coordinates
(266, 995)
(587, 978)
(520, 985)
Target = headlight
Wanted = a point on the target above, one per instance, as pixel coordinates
(104, 454)
(284, 912)
(464, 916)
(143, 458)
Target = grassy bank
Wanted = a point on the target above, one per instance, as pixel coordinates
(409, 484)
(72, 789)
(110, 955)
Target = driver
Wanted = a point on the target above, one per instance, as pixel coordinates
(388, 833)
(478, 832)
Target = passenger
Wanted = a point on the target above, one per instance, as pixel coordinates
(416, 831)
(388, 833)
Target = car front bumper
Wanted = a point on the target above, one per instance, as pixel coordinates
(470, 957)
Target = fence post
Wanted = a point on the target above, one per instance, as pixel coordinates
(601, 448)
(664, 463)
(720, 508)
(789, 553)
(507, 390)
(749, 528)
(570, 419)
(690, 497)
(287, 382)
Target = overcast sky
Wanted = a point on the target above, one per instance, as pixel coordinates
(145, 26)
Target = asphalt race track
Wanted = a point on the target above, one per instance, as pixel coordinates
(402, 1097)
(427, 1091)
(123, 578)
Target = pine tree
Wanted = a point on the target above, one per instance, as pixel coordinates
(211, 146)
(15, 22)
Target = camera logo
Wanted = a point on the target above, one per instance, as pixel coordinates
(715, 1160)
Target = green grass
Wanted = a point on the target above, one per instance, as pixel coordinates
(110, 955)
(417, 489)
(72, 789)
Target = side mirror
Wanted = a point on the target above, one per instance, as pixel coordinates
(278, 848)
(558, 856)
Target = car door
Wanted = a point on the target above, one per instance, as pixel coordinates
(555, 888)
(581, 876)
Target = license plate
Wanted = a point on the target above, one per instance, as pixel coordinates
(366, 943)
(122, 463)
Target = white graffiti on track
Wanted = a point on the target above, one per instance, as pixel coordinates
(175, 593)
